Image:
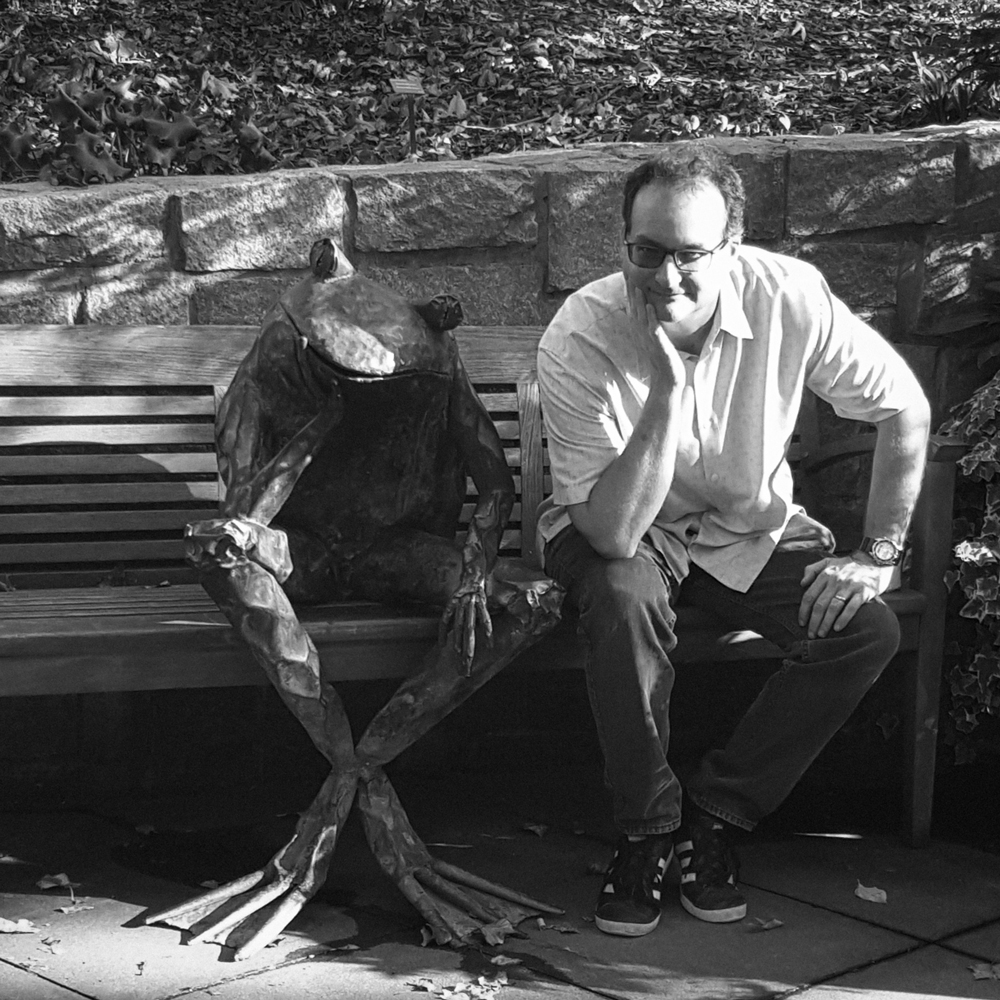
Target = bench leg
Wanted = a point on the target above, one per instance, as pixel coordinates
(920, 727)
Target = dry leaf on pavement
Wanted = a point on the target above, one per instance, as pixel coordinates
(871, 893)
(22, 926)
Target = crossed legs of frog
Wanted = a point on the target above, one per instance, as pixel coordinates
(240, 562)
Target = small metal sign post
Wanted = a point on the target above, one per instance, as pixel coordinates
(410, 86)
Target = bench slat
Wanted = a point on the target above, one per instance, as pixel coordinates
(106, 551)
(111, 493)
(105, 406)
(115, 464)
(108, 434)
(77, 522)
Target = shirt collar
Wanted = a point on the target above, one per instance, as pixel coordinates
(731, 316)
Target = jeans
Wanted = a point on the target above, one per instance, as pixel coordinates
(626, 615)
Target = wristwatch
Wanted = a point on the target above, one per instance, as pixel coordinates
(881, 551)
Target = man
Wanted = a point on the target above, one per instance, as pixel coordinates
(670, 391)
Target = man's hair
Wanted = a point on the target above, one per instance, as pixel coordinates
(687, 166)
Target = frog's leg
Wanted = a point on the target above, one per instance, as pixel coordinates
(454, 902)
(250, 912)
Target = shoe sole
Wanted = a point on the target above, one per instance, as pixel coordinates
(625, 930)
(714, 916)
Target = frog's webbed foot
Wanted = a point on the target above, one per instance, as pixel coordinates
(454, 903)
(248, 913)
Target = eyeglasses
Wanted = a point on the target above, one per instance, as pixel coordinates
(648, 256)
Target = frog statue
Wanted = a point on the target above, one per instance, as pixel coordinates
(345, 441)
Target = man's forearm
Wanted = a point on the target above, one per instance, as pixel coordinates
(631, 491)
(897, 472)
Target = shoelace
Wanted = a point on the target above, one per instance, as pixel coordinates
(711, 856)
(631, 866)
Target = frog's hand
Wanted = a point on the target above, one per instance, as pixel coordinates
(261, 496)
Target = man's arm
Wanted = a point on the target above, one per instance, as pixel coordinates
(632, 489)
(837, 587)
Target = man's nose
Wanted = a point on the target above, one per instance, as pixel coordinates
(668, 273)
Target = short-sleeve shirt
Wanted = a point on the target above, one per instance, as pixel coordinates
(778, 329)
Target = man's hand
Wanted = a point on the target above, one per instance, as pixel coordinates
(837, 587)
(664, 355)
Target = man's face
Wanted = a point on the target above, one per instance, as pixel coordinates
(688, 218)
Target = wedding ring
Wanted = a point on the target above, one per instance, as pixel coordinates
(837, 597)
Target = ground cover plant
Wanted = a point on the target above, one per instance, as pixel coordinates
(98, 90)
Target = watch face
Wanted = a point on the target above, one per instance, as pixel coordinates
(884, 551)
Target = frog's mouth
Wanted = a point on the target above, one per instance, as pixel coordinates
(355, 353)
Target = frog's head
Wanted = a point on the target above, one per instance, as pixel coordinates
(361, 329)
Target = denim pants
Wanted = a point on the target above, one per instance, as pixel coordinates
(626, 615)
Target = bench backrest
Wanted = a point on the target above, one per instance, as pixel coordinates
(106, 439)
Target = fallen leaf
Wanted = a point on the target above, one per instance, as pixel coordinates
(421, 985)
(504, 960)
(56, 881)
(209, 883)
(984, 970)
(443, 844)
(73, 908)
(426, 936)
(494, 933)
(51, 943)
(9, 859)
(563, 928)
(22, 926)
(871, 894)
(539, 829)
(343, 947)
(758, 924)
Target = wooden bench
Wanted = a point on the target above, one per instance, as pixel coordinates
(106, 452)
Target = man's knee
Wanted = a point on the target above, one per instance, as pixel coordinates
(620, 585)
(874, 631)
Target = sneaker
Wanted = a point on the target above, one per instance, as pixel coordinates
(709, 869)
(630, 898)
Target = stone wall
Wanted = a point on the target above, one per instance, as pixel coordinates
(904, 225)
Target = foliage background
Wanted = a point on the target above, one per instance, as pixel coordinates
(96, 90)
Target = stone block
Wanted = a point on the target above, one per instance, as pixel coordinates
(585, 206)
(499, 294)
(50, 296)
(236, 299)
(949, 264)
(137, 295)
(42, 226)
(862, 274)
(866, 181)
(444, 205)
(260, 221)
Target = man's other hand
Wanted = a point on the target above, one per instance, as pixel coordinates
(835, 589)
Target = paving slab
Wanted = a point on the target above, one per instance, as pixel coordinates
(983, 942)
(19, 984)
(931, 893)
(928, 972)
(392, 970)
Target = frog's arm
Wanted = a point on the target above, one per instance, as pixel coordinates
(481, 451)
(479, 445)
(258, 484)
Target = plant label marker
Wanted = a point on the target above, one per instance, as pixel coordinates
(411, 87)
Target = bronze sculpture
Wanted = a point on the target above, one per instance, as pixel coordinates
(344, 442)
